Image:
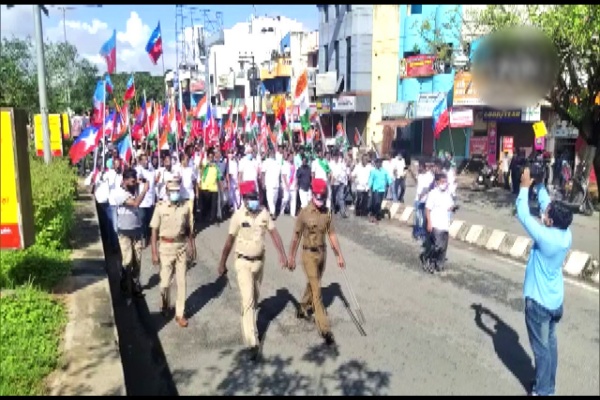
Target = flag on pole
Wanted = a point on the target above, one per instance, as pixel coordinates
(109, 52)
(130, 90)
(154, 45)
(441, 117)
(301, 100)
(108, 83)
(85, 143)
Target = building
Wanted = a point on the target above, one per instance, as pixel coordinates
(236, 63)
(345, 55)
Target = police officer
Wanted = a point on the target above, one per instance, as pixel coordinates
(247, 230)
(171, 225)
(314, 222)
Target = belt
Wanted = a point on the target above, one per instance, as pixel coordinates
(316, 249)
(172, 240)
(252, 259)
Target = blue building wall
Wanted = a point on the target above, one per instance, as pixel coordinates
(446, 19)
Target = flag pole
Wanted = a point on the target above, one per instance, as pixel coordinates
(103, 121)
(146, 123)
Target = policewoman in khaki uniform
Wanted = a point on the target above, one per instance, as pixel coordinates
(247, 230)
(313, 223)
(171, 225)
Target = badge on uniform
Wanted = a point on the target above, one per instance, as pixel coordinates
(245, 225)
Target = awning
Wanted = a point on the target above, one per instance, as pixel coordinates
(397, 123)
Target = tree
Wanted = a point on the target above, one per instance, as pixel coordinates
(65, 69)
(575, 32)
(153, 85)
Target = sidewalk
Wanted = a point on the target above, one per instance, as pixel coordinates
(91, 364)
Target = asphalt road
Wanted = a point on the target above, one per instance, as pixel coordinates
(422, 335)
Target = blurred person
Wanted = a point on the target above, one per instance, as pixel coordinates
(146, 208)
(304, 181)
(271, 177)
(379, 181)
(360, 176)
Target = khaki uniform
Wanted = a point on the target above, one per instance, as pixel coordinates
(173, 224)
(249, 232)
(312, 225)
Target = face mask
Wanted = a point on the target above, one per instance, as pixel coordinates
(444, 187)
(174, 197)
(253, 205)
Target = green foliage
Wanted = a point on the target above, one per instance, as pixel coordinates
(574, 29)
(31, 326)
(69, 77)
(153, 85)
(434, 37)
(54, 189)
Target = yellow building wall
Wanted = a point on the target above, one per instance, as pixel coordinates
(384, 65)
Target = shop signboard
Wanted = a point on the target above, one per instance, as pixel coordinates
(508, 144)
(345, 104)
(426, 104)
(324, 106)
(478, 145)
(54, 125)
(492, 150)
(531, 114)
(418, 66)
(539, 143)
(16, 218)
(398, 110)
(465, 92)
(461, 117)
(502, 115)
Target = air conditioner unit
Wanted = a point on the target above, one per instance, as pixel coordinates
(312, 77)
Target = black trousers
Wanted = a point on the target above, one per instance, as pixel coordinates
(209, 202)
(362, 203)
(376, 200)
(436, 247)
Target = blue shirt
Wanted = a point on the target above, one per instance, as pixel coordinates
(379, 180)
(543, 274)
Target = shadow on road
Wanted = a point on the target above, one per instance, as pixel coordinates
(274, 375)
(507, 346)
(270, 308)
(204, 294)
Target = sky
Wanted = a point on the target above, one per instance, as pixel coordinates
(89, 27)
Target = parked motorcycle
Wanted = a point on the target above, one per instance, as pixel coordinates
(486, 178)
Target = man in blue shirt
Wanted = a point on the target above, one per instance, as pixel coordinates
(543, 288)
(379, 181)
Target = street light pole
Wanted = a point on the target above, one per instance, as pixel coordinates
(68, 80)
(41, 71)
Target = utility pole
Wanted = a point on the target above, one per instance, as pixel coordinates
(41, 71)
(64, 10)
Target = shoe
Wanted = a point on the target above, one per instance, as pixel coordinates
(181, 321)
(329, 340)
(254, 353)
(137, 290)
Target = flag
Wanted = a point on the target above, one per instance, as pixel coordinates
(441, 117)
(109, 52)
(357, 137)
(85, 143)
(108, 83)
(124, 148)
(130, 90)
(154, 46)
(108, 128)
(302, 101)
(201, 109)
(98, 102)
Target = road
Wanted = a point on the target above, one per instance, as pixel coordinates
(494, 209)
(421, 335)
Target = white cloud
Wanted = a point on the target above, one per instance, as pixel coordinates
(89, 36)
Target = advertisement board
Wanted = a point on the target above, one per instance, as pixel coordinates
(66, 126)
(478, 145)
(426, 104)
(418, 66)
(16, 216)
(54, 124)
(465, 92)
(461, 117)
(502, 115)
(344, 104)
(492, 149)
(508, 144)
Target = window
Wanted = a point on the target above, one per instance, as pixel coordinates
(337, 10)
(326, 57)
(348, 8)
(336, 48)
(416, 9)
(326, 13)
(348, 76)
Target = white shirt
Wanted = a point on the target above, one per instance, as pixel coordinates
(249, 169)
(101, 188)
(233, 168)
(164, 177)
(150, 176)
(114, 181)
(451, 176)
(339, 171)
(188, 177)
(424, 181)
(439, 204)
(361, 176)
(272, 170)
(315, 168)
(399, 165)
(388, 166)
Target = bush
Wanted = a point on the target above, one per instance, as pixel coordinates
(43, 267)
(54, 187)
(31, 327)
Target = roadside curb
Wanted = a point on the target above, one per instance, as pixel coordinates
(91, 358)
(577, 264)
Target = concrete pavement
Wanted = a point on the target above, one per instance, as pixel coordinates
(422, 336)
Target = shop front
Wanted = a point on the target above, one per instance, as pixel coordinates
(352, 111)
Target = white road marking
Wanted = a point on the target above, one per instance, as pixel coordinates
(569, 280)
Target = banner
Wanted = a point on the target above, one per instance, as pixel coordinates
(478, 146)
(54, 126)
(508, 144)
(66, 128)
(461, 117)
(465, 93)
(418, 66)
(492, 149)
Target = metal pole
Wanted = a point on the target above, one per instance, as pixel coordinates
(41, 71)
